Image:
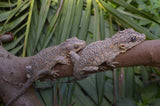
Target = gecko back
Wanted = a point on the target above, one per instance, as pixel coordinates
(48, 57)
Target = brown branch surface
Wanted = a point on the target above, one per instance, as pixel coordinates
(146, 53)
(13, 76)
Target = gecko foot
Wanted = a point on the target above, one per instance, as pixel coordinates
(49, 85)
(62, 60)
(55, 73)
(112, 64)
(77, 79)
(80, 74)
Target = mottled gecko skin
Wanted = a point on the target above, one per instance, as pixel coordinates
(106, 50)
(49, 57)
(44, 62)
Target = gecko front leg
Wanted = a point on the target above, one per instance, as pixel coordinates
(60, 60)
(74, 56)
(78, 73)
(110, 61)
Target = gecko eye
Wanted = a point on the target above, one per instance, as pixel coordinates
(133, 39)
(76, 46)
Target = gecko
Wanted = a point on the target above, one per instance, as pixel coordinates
(104, 51)
(44, 62)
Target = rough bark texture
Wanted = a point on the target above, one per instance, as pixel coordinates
(12, 70)
(12, 77)
(147, 53)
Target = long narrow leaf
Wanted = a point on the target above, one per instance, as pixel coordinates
(96, 34)
(13, 43)
(88, 86)
(15, 50)
(9, 26)
(71, 20)
(4, 15)
(12, 14)
(42, 19)
(85, 21)
(135, 10)
(67, 20)
(81, 99)
(127, 21)
(110, 24)
(108, 91)
(32, 30)
(102, 24)
(18, 29)
(6, 4)
(129, 83)
(59, 28)
(27, 29)
(77, 18)
(52, 26)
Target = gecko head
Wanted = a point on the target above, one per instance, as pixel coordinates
(74, 44)
(127, 39)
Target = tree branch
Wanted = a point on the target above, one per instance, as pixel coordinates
(12, 69)
(146, 53)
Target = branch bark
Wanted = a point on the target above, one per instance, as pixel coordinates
(146, 53)
(12, 70)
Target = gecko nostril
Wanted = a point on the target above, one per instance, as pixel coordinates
(122, 46)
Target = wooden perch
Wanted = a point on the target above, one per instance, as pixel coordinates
(146, 53)
(12, 70)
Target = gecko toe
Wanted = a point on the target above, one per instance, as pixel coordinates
(55, 73)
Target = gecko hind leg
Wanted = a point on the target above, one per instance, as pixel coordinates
(74, 56)
(90, 69)
(62, 60)
(46, 86)
(53, 73)
(27, 84)
(80, 75)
